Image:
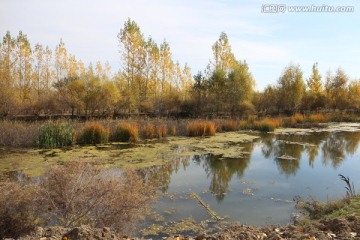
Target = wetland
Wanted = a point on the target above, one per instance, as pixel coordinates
(244, 177)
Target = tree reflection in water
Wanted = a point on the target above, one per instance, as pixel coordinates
(333, 147)
(160, 176)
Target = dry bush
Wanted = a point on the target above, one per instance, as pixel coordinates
(18, 134)
(93, 133)
(148, 131)
(161, 131)
(126, 132)
(17, 207)
(201, 128)
(79, 193)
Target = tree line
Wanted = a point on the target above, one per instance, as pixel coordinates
(37, 80)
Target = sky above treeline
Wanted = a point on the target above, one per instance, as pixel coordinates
(267, 41)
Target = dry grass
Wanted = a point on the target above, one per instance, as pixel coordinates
(317, 118)
(267, 124)
(173, 130)
(298, 118)
(126, 132)
(93, 133)
(148, 131)
(201, 128)
(229, 125)
(18, 134)
(244, 125)
(161, 131)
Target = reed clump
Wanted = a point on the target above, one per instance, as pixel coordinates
(55, 134)
(267, 124)
(161, 131)
(148, 131)
(18, 133)
(93, 133)
(126, 132)
(201, 128)
(317, 118)
(229, 125)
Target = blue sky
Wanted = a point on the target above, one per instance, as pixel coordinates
(267, 41)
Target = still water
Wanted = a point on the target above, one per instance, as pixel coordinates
(259, 188)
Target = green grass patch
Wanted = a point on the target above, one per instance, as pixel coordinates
(55, 134)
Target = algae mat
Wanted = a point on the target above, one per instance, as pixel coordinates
(34, 162)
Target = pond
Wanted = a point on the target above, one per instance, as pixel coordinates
(249, 178)
(258, 188)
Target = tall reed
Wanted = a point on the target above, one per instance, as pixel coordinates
(93, 133)
(126, 132)
(55, 134)
(201, 128)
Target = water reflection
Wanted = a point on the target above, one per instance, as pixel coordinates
(160, 176)
(220, 171)
(334, 148)
(331, 148)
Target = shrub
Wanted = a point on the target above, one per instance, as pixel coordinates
(79, 193)
(126, 132)
(16, 209)
(55, 134)
(74, 194)
(148, 131)
(201, 128)
(161, 131)
(93, 133)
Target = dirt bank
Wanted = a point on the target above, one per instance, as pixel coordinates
(337, 228)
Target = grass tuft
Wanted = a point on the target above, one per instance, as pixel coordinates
(267, 124)
(316, 118)
(161, 131)
(229, 125)
(93, 133)
(201, 128)
(55, 134)
(148, 131)
(126, 132)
